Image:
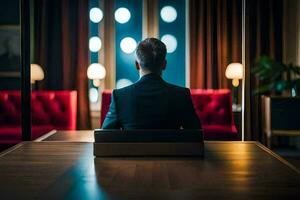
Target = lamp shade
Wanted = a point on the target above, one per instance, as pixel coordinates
(36, 73)
(96, 71)
(234, 71)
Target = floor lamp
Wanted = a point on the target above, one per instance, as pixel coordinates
(235, 71)
(36, 74)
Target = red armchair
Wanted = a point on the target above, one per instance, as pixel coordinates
(213, 107)
(50, 110)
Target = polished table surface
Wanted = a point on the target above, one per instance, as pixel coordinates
(70, 136)
(58, 169)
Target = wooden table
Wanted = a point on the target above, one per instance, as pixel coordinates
(68, 170)
(69, 136)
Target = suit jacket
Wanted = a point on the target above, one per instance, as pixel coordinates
(151, 103)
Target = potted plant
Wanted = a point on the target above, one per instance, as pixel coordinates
(276, 77)
(279, 84)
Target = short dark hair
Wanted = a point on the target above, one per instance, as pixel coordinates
(151, 54)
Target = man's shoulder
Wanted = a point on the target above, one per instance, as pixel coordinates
(177, 88)
(123, 90)
(170, 87)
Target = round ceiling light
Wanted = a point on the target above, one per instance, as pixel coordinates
(96, 15)
(96, 71)
(122, 15)
(123, 83)
(170, 41)
(95, 44)
(128, 45)
(168, 14)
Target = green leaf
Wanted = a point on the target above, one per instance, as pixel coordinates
(262, 89)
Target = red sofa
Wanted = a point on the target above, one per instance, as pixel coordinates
(50, 110)
(213, 107)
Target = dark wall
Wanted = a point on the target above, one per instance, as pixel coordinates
(9, 12)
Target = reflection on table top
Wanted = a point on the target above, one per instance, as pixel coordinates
(70, 136)
(68, 170)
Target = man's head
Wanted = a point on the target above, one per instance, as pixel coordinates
(151, 56)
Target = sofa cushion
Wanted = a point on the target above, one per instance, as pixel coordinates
(10, 133)
(10, 108)
(14, 133)
(50, 110)
(57, 108)
(213, 106)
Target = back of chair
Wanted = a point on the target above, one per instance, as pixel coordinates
(56, 108)
(10, 108)
(49, 110)
(146, 136)
(148, 143)
(213, 107)
(106, 98)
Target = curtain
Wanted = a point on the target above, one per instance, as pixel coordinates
(264, 36)
(215, 41)
(61, 48)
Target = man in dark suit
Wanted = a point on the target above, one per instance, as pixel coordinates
(151, 103)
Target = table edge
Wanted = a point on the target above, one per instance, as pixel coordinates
(278, 157)
(10, 149)
(45, 136)
(258, 144)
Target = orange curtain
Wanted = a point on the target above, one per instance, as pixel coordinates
(215, 41)
(76, 55)
(61, 47)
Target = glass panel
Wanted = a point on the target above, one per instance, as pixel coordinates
(274, 60)
(95, 51)
(10, 79)
(59, 56)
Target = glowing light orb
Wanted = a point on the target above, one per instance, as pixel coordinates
(128, 45)
(96, 15)
(95, 44)
(168, 14)
(122, 15)
(123, 83)
(96, 71)
(170, 41)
